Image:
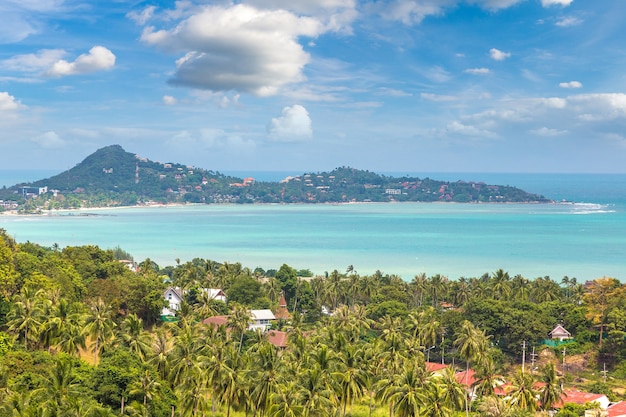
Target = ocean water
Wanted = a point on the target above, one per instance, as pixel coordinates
(584, 237)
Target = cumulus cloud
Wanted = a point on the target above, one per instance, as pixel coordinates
(548, 3)
(36, 62)
(547, 132)
(477, 71)
(498, 55)
(571, 84)
(49, 140)
(99, 58)
(568, 21)
(169, 100)
(8, 102)
(237, 48)
(293, 125)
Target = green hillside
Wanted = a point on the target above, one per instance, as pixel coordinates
(113, 177)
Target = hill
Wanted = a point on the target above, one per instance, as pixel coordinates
(113, 177)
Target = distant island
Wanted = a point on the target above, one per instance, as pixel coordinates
(112, 177)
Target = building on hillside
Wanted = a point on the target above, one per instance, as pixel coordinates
(580, 398)
(617, 409)
(261, 320)
(282, 313)
(560, 333)
(278, 338)
(175, 295)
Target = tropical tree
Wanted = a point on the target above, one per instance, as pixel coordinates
(523, 393)
(471, 344)
(25, 316)
(100, 326)
(552, 390)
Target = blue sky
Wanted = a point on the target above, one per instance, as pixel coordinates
(310, 85)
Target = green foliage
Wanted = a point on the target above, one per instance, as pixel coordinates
(391, 308)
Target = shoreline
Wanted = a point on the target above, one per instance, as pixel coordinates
(169, 205)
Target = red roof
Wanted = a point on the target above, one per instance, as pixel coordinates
(617, 409)
(578, 397)
(466, 379)
(434, 366)
(216, 321)
(278, 338)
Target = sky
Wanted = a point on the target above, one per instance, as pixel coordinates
(310, 85)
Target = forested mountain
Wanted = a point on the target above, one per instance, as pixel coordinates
(113, 177)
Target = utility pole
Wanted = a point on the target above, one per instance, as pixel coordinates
(604, 371)
(532, 361)
(523, 355)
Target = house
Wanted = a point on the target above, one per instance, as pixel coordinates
(282, 313)
(560, 333)
(580, 397)
(435, 367)
(278, 338)
(261, 319)
(617, 409)
(175, 295)
(216, 321)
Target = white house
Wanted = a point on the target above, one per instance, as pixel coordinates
(174, 296)
(559, 332)
(261, 319)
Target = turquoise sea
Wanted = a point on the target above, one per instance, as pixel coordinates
(584, 237)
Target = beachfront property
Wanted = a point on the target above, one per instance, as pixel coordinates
(175, 295)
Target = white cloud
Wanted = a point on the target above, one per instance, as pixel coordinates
(548, 3)
(437, 97)
(214, 139)
(547, 132)
(568, 21)
(495, 5)
(393, 92)
(8, 102)
(477, 71)
(21, 19)
(437, 74)
(498, 55)
(294, 125)
(413, 11)
(468, 130)
(169, 100)
(238, 48)
(99, 58)
(571, 84)
(143, 16)
(36, 62)
(49, 140)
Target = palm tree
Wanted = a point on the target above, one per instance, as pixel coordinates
(552, 390)
(133, 336)
(100, 327)
(486, 377)
(437, 285)
(436, 403)
(472, 344)
(454, 393)
(284, 402)
(351, 376)
(406, 395)
(25, 318)
(266, 367)
(160, 349)
(419, 286)
(239, 320)
(523, 394)
(147, 386)
(500, 286)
